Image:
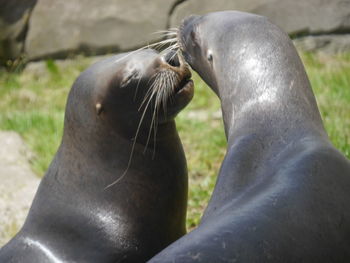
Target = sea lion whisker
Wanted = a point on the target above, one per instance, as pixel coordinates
(154, 45)
(175, 29)
(148, 94)
(137, 87)
(162, 43)
(132, 148)
(154, 89)
(162, 31)
(155, 136)
(165, 33)
(169, 48)
(170, 32)
(175, 46)
(157, 105)
(138, 84)
(150, 90)
(174, 49)
(130, 53)
(157, 84)
(154, 125)
(150, 131)
(156, 93)
(170, 94)
(165, 92)
(154, 122)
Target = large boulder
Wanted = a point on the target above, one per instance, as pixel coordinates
(60, 27)
(331, 44)
(14, 16)
(294, 16)
(56, 29)
(18, 184)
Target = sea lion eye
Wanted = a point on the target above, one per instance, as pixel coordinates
(210, 57)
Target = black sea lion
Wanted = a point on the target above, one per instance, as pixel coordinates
(283, 191)
(74, 216)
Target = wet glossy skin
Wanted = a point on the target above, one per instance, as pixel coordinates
(74, 217)
(283, 191)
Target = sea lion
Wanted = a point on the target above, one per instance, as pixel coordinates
(97, 202)
(283, 190)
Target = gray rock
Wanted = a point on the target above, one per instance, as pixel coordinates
(39, 69)
(58, 28)
(14, 16)
(294, 16)
(18, 184)
(331, 44)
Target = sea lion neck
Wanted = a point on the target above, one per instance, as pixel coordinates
(266, 89)
(109, 140)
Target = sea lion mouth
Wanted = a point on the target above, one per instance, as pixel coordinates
(187, 89)
(186, 82)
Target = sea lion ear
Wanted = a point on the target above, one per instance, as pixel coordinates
(128, 78)
(99, 108)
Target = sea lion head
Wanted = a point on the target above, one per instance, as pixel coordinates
(209, 42)
(131, 91)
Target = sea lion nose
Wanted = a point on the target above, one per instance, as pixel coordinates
(172, 58)
(187, 25)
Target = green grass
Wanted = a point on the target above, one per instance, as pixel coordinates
(195, 125)
(330, 80)
(32, 104)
